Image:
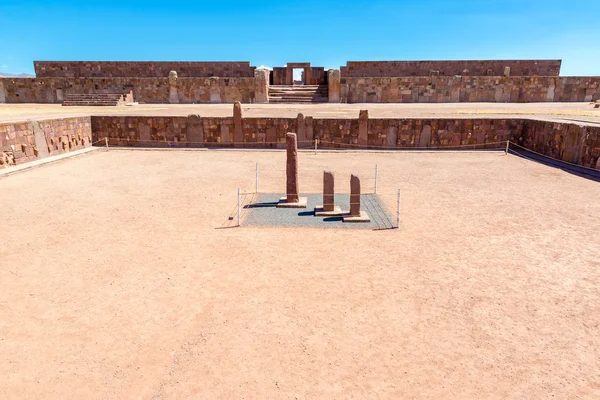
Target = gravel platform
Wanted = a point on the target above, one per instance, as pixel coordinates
(263, 211)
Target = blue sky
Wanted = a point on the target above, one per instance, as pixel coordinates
(325, 33)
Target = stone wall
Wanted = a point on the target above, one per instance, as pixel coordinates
(22, 142)
(577, 144)
(145, 90)
(422, 89)
(331, 132)
(450, 68)
(454, 89)
(141, 69)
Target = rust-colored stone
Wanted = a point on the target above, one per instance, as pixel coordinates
(354, 195)
(238, 134)
(333, 81)
(363, 127)
(291, 168)
(328, 191)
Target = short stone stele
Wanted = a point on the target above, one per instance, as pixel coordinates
(328, 208)
(355, 214)
(292, 199)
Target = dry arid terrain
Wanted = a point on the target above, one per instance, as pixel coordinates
(118, 284)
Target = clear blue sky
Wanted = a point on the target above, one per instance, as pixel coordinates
(325, 33)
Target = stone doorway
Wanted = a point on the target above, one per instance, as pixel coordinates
(297, 76)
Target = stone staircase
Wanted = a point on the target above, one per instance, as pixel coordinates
(298, 94)
(98, 99)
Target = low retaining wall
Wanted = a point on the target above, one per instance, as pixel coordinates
(145, 90)
(23, 142)
(31, 140)
(466, 89)
(569, 142)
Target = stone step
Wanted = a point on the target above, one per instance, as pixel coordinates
(298, 94)
(297, 100)
(94, 99)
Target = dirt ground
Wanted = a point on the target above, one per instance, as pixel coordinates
(574, 112)
(117, 284)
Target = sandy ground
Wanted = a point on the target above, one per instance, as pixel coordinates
(117, 284)
(577, 112)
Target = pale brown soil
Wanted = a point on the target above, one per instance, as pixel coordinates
(578, 112)
(116, 284)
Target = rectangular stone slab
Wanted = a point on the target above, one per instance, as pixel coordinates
(301, 203)
(363, 217)
(336, 212)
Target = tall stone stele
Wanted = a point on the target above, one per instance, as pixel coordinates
(354, 195)
(334, 82)
(261, 85)
(238, 133)
(355, 214)
(328, 191)
(291, 168)
(173, 95)
(363, 127)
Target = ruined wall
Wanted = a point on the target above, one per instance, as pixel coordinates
(22, 142)
(449, 68)
(573, 143)
(141, 69)
(145, 90)
(440, 89)
(331, 132)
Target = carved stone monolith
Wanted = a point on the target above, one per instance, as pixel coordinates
(238, 133)
(291, 168)
(328, 191)
(354, 195)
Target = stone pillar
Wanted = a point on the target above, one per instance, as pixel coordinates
(215, 90)
(2, 92)
(363, 127)
(328, 191)
(291, 168)
(333, 82)
(391, 138)
(173, 95)
(506, 71)
(354, 195)
(301, 128)
(308, 123)
(195, 131)
(238, 133)
(551, 90)
(261, 85)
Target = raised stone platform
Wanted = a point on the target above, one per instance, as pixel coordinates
(263, 211)
(301, 203)
(363, 217)
(337, 211)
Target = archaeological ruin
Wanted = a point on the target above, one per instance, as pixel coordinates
(108, 83)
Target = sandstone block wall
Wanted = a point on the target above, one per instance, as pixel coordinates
(141, 69)
(573, 143)
(568, 142)
(28, 141)
(331, 132)
(145, 90)
(32, 140)
(441, 89)
(450, 68)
